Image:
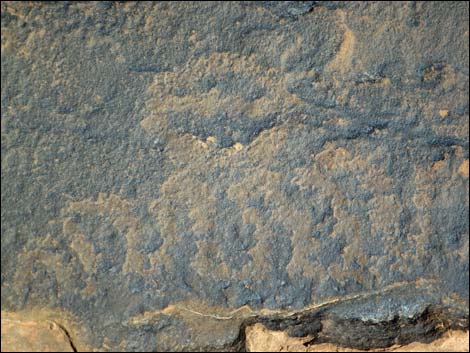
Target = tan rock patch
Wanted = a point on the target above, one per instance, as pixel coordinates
(443, 113)
(33, 336)
(463, 169)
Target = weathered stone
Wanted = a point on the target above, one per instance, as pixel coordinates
(260, 339)
(26, 335)
(175, 172)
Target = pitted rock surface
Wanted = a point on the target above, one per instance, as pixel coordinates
(173, 172)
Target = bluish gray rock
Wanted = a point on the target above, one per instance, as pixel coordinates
(175, 171)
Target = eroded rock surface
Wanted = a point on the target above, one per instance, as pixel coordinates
(24, 334)
(260, 339)
(175, 172)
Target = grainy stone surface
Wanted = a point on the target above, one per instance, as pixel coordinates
(259, 339)
(23, 334)
(173, 172)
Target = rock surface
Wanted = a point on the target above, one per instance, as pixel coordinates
(26, 335)
(260, 339)
(175, 172)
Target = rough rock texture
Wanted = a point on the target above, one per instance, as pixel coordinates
(175, 172)
(260, 339)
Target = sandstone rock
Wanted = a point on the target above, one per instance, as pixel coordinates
(260, 339)
(175, 172)
(20, 335)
